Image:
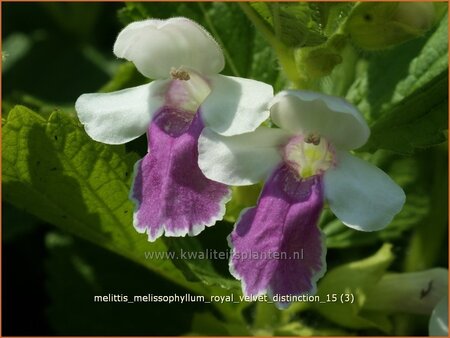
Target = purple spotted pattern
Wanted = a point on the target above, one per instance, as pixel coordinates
(172, 195)
(277, 246)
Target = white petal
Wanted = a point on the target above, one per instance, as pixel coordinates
(331, 117)
(242, 159)
(155, 46)
(362, 196)
(236, 105)
(121, 116)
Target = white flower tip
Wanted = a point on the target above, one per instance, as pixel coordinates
(331, 117)
(156, 46)
(119, 117)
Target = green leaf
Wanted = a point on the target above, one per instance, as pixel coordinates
(251, 61)
(232, 39)
(242, 197)
(57, 173)
(195, 263)
(126, 76)
(295, 24)
(418, 121)
(77, 271)
(386, 78)
(264, 65)
(429, 64)
(297, 329)
(403, 93)
(206, 324)
(354, 278)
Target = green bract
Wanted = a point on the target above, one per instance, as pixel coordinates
(375, 26)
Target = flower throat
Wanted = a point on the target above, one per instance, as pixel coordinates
(309, 155)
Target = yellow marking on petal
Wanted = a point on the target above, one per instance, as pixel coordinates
(309, 156)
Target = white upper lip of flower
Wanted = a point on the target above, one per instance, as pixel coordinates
(156, 46)
(303, 112)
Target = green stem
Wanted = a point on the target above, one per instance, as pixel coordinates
(267, 316)
(213, 30)
(428, 240)
(422, 255)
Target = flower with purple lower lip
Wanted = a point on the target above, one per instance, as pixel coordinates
(305, 162)
(172, 195)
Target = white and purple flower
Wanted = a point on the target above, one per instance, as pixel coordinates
(305, 163)
(172, 195)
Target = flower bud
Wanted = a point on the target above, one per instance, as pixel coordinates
(413, 292)
(317, 62)
(376, 26)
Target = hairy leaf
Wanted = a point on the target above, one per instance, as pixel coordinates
(418, 121)
(403, 93)
(295, 24)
